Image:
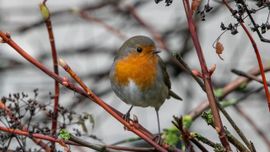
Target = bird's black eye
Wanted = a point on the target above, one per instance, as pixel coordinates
(139, 49)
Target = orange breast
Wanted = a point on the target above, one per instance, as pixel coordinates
(141, 69)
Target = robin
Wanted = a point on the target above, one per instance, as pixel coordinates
(139, 76)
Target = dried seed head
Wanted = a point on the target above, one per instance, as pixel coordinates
(219, 49)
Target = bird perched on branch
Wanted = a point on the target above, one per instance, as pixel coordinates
(139, 76)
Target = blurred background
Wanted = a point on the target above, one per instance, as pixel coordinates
(87, 35)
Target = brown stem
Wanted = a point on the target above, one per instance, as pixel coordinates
(198, 144)
(107, 148)
(236, 142)
(55, 69)
(189, 71)
(237, 129)
(206, 78)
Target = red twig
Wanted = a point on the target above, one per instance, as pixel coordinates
(138, 130)
(258, 56)
(49, 27)
(206, 78)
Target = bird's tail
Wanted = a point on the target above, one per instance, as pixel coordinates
(174, 95)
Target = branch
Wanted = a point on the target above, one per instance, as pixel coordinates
(47, 19)
(237, 129)
(107, 148)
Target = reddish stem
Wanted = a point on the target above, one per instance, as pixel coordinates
(55, 69)
(206, 78)
(138, 130)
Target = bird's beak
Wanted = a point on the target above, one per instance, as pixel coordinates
(156, 51)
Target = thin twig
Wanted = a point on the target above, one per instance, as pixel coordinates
(49, 27)
(204, 140)
(237, 129)
(236, 142)
(189, 71)
(108, 148)
(198, 144)
(250, 76)
(228, 103)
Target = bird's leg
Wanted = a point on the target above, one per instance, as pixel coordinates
(157, 138)
(126, 116)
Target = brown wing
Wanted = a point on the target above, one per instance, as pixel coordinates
(166, 79)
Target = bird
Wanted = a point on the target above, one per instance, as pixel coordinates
(139, 77)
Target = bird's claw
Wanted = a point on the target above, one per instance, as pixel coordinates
(158, 139)
(126, 117)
